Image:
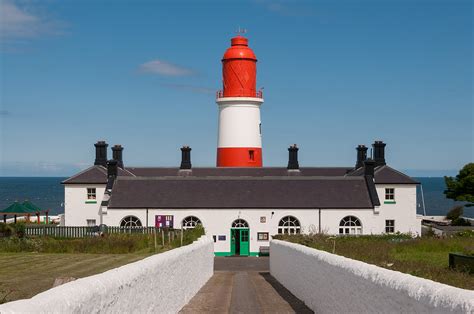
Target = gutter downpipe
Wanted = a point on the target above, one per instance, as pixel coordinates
(319, 221)
(147, 217)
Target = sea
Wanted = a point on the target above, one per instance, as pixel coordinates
(48, 193)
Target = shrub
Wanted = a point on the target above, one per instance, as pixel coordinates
(460, 222)
(455, 212)
(108, 244)
(8, 230)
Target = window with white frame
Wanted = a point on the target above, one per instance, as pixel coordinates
(289, 225)
(91, 194)
(130, 221)
(390, 194)
(350, 225)
(389, 226)
(190, 222)
(240, 223)
(91, 222)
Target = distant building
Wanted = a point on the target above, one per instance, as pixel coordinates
(240, 202)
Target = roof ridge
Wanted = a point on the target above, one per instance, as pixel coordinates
(243, 178)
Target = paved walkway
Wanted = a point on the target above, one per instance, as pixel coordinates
(243, 285)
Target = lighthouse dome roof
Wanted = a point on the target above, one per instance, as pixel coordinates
(239, 49)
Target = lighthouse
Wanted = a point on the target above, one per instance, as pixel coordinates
(239, 141)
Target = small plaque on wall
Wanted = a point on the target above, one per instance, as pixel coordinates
(222, 238)
(263, 219)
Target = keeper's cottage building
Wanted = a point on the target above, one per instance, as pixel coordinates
(239, 202)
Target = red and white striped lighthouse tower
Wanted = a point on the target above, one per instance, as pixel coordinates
(240, 140)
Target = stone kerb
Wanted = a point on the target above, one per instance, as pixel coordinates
(330, 283)
(161, 283)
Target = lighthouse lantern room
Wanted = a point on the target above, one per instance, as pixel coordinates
(240, 137)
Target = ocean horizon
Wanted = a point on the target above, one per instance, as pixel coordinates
(48, 192)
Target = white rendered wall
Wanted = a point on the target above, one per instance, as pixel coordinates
(239, 122)
(75, 208)
(329, 283)
(403, 211)
(218, 222)
(162, 283)
(373, 220)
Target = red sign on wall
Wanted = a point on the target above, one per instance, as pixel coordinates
(164, 221)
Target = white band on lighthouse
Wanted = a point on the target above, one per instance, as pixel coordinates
(239, 122)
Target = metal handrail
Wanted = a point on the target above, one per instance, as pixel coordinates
(220, 94)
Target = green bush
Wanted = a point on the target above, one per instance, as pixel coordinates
(8, 230)
(455, 212)
(460, 222)
(108, 244)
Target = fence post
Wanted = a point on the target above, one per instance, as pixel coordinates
(181, 236)
(163, 237)
(154, 234)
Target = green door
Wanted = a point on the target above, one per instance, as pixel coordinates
(232, 240)
(244, 242)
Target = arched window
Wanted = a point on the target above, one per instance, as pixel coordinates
(240, 223)
(350, 225)
(289, 225)
(130, 222)
(190, 222)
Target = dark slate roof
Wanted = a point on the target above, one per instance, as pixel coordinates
(386, 175)
(240, 172)
(98, 174)
(93, 175)
(238, 192)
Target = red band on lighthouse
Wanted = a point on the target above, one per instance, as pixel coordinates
(239, 157)
(239, 140)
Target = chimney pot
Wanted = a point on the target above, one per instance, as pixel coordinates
(185, 157)
(293, 158)
(361, 156)
(379, 153)
(101, 153)
(117, 155)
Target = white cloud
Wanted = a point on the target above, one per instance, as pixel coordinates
(165, 68)
(20, 23)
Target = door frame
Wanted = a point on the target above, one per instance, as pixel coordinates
(233, 244)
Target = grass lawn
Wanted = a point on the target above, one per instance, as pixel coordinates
(23, 275)
(425, 257)
(30, 265)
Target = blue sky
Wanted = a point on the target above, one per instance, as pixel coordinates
(144, 74)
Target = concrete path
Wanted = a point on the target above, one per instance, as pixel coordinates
(243, 285)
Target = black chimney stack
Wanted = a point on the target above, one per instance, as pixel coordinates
(112, 172)
(185, 157)
(369, 167)
(117, 155)
(293, 158)
(112, 169)
(101, 153)
(379, 153)
(361, 156)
